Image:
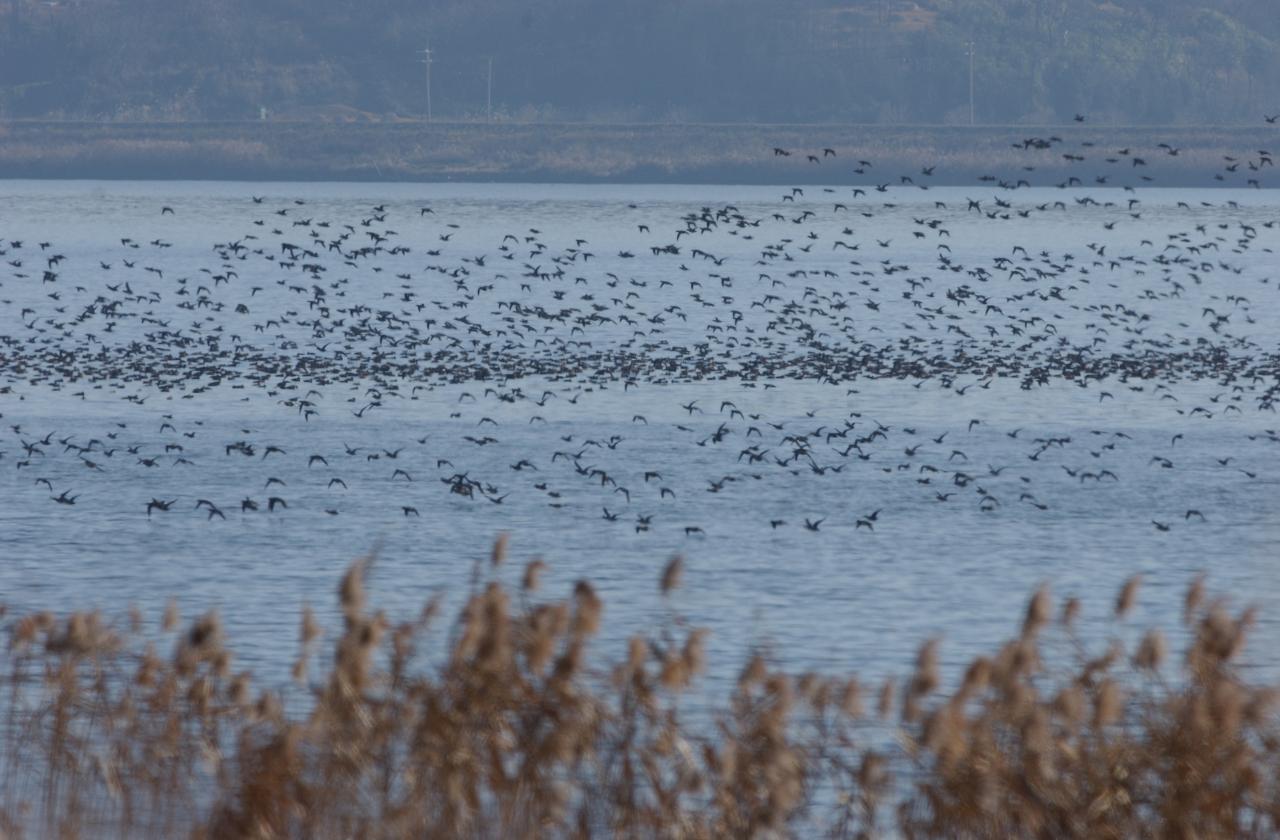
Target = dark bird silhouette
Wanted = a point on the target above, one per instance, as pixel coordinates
(213, 509)
(157, 504)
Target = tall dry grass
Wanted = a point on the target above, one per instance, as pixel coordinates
(520, 729)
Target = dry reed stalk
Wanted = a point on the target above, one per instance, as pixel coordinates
(522, 731)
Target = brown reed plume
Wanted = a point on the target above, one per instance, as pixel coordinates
(519, 727)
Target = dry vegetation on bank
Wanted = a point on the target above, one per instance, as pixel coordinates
(523, 729)
(726, 153)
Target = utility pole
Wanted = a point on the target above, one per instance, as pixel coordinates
(427, 61)
(488, 93)
(971, 109)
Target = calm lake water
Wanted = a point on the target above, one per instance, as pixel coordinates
(1070, 389)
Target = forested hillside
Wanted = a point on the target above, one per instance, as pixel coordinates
(871, 61)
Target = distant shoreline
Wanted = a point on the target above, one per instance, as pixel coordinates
(406, 150)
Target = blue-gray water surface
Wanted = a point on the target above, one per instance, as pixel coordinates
(865, 418)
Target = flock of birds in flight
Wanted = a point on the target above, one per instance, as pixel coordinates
(351, 317)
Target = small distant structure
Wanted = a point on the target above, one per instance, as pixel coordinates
(262, 113)
(427, 60)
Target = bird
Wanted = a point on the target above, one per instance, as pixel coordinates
(213, 509)
(158, 504)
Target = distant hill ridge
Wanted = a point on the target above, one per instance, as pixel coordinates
(867, 61)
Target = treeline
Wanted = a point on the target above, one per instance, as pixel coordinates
(867, 61)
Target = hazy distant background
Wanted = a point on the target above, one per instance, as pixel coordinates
(867, 61)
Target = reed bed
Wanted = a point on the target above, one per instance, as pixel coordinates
(740, 153)
(507, 723)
